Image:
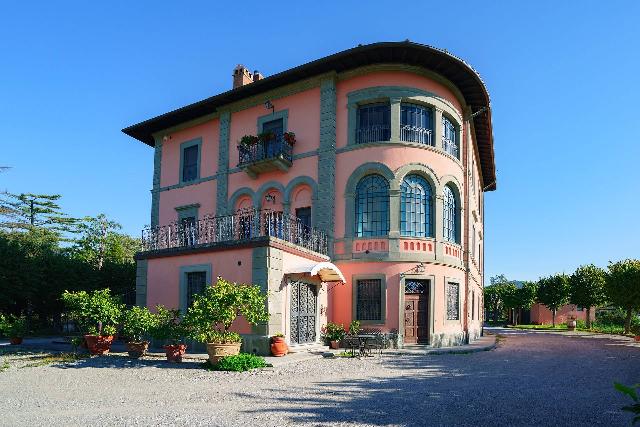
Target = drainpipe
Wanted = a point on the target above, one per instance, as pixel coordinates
(465, 143)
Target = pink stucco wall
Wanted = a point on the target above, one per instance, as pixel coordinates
(341, 296)
(163, 276)
(170, 166)
(541, 315)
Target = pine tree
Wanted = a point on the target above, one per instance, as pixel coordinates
(27, 211)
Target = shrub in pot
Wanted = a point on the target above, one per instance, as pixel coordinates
(97, 314)
(334, 333)
(279, 346)
(14, 327)
(210, 317)
(137, 323)
(169, 329)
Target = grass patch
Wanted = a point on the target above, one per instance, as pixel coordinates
(344, 354)
(50, 359)
(4, 366)
(561, 327)
(239, 363)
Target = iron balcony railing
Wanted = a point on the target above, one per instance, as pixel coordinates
(415, 134)
(450, 147)
(373, 134)
(265, 150)
(239, 226)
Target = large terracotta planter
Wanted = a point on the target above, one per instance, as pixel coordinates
(98, 345)
(335, 345)
(219, 351)
(571, 325)
(137, 349)
(175, 352)
(15, 340)
(637, 338)
(279, 346)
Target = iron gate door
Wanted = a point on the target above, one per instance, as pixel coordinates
(303, 312)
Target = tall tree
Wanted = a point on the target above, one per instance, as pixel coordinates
(623, 287)
(587, 288)
(493, 295)
(26, 211)
(525, 296)
(553, 292)
(100, 242)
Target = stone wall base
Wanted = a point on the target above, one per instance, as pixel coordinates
(448, 339)
(256, 344)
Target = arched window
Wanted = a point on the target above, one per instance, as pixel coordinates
(372, 206)
(415, 207)
(415, 124)
(449, 216)
(449, 137)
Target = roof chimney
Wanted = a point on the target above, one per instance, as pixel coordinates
(241, 76)
(257, 76)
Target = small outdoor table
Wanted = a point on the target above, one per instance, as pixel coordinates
(363, 340)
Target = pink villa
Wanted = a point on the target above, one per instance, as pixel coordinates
(362, 198)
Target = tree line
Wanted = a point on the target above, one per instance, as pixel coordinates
(45, 251)
(589, 286)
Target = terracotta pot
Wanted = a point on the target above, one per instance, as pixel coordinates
(15, 340)
(335, 345)
(218, 351)
(279, 346)
(137, 349)
(98, 345)
(637, 338)
(175, 352)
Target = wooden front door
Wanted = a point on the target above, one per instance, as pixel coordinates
(416, 312)
(303, 312)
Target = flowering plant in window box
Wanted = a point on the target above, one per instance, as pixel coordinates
(248, 140)
(266, 136)
(289, 137)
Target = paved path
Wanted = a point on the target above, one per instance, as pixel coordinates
(532, 378)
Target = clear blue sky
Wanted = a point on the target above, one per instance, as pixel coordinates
(563, 77)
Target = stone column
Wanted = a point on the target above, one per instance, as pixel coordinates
(438, 225)
(395, 118)
(437, 129)
(394, 213)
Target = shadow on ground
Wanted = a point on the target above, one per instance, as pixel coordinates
(529, 380)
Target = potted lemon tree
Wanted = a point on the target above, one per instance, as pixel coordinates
(137, 323)
(14, 327)
(170, 330)
(211, 316)
(96, 314)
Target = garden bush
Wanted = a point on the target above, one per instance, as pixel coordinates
(239, 363)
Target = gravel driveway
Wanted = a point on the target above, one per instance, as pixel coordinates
(532, 378)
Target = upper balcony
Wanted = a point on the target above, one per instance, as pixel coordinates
(266, 153)
(229, 230)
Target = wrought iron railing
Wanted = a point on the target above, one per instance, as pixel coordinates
(450, 146)
(239, 226)
(373, 134)
(415, 134)
(265, 150)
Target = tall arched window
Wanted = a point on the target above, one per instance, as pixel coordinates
(415, 207)
(449, 216)
(372, 206)
(449, 139)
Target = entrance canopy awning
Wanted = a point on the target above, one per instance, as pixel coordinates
(326, 271)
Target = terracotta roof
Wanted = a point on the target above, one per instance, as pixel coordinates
(454, 69)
